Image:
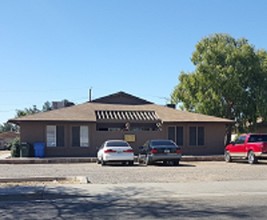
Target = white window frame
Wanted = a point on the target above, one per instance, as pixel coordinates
(51, 135)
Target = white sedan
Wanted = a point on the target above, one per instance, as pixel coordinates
(115, 151)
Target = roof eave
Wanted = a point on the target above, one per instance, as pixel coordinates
(18, 121)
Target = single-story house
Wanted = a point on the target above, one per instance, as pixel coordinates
(78, 130)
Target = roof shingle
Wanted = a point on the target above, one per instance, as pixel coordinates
(87, 113)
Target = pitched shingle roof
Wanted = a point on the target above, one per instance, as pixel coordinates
(119, 106)
(122, 97)
(88, 112)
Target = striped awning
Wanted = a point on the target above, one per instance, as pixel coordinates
(127, 115)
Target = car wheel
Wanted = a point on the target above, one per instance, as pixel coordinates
(227, 157)
(131, 163)
(251, 158)
(97, 160)
(175, 163)
(103, 163)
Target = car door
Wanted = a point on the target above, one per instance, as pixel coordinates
(238, 149)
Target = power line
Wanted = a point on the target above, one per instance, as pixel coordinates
(41, 90)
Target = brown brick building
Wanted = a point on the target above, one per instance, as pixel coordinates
(79, 129)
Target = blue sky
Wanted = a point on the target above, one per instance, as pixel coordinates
(52, 50)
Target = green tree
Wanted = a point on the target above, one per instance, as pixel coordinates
(8, 127)
(47, 106)
(262, 54)
(27, 111)
(229, 81)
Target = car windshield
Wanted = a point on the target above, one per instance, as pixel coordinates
(117, 144)
(162, 143)
(258, 138)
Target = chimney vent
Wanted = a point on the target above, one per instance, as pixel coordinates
(171, 106)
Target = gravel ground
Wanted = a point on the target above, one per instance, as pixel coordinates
(186, 172)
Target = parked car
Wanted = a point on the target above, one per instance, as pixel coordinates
(115, 151)
(159, 150)
(247, 146)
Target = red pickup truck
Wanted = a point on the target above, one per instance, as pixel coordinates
(247, 146)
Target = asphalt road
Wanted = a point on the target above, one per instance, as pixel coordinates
(209, 200)
(194, 190)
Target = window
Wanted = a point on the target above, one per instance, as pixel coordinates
(51, 138)
(84, 139)
(55, 136)
(241, 140)
(80, 136)
(176, 134)
(196, 136)
(162, 143)
(258, 138)
(136, 127)
(117, 144)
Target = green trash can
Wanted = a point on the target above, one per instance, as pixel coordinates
(24, 150)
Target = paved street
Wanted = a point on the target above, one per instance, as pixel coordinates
(194, 190)
(213, 200)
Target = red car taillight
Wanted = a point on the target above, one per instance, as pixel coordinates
(128, 151)
(178, 151)
(109, 151)
(154, 151)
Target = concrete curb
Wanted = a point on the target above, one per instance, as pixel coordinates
(25, 160)
(203, 158)
(76, 179)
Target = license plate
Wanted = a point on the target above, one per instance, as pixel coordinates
(167, 151)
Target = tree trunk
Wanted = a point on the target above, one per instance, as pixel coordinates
(228, 134)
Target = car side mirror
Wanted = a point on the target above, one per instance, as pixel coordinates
(232, 142)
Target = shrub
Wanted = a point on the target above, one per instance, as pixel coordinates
(15, 147)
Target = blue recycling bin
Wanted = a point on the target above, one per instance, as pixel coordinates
(39, 149)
